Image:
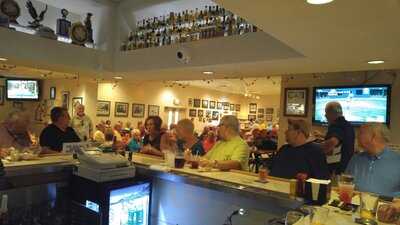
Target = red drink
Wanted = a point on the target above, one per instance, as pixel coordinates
(346, 192)
(195, 164)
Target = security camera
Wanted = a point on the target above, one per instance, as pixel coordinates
(183, 56)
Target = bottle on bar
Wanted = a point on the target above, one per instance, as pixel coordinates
(4, 217)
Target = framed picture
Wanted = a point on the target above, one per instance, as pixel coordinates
(232, 107)
(65, 99)
(75, 102)
(138, 110)
(52, 93)
(196, 103)
(226, 105)
(269, 111)
(212, 104)
(121, 109)
(296, 102)
(215, 115)
(18, 105)
(251, 117)
(2, 94)
(200, 113)
(261, 111)
(190, 102)
(192, 113)
(260, 116)
(154, 110)
(208, 113)
(204, 104)
(268, 118)
(219, 105)
(103, 108)
(253, 108)
(237, 107)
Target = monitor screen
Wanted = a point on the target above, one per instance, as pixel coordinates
(360, 104)
(22, 89)
(130, 205)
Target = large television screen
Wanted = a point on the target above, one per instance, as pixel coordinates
(22, 89)
(130, 205)
(360, 104)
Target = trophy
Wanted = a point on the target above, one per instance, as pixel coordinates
(11, 10)
(63, 25)
(88, 25)
(36, 18)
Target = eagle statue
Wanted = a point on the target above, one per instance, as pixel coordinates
(36, 18)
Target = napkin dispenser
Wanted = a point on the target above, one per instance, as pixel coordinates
(317, 192)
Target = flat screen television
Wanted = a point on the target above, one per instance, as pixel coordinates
(23, 89)
(360, 104)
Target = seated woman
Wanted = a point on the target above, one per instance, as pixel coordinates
(135, 143)
(152, 140)
(210, 141)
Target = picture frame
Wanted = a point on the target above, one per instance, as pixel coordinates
(153, 110)
(260, 116)
(253, 108)
(261, 111)
(219, 105)
(208, 114)
(226, 106)
(237, 107)
(76, 101)
(268, 118)
(215, 115)
(251, 117)
(212, 104)
(103, 108)
(192, 112)
(121, 109)
(296, 102)
(200, 113)
(65, 99)
(53, 93)
(197, 103)
(2, 89)
(204, 104)
(269, 111)
(190, 102)
(232, 107)
(138, 110)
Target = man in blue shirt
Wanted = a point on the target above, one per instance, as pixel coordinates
(377, 169)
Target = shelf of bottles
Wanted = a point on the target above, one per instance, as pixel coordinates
(186, 26)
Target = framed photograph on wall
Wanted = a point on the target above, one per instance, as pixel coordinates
(138, 110)
(226, 106)
(52, 93)
(215, 115)
(260, 116)
(212, 104)
(296, 103)
(208, 114)
(197, 103)
(153, 110)
(103, 108)
(253, 108)
(190, 102)
(219, 105)
(232, 107)
(269, 111)
(65, 99)
(75, 102)
(261, 111)
(251, 117)
(204, 104)
(192, 112)
(237, 107)
(121, 109)
(200, 113)
(2, 94)
(268, 118)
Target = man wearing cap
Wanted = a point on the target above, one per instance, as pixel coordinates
(299, 156)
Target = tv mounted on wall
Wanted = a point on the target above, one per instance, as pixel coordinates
(360, 104)
(22, 89)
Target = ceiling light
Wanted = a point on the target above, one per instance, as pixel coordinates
(208, 72)
(374, 62)
(118, 78)
(3, 59)
(319, 2)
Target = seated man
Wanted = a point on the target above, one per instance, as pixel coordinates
(231, 152)
(187, 139)
(14, 132)
(377, 169)
(58, 132)
(299, 156)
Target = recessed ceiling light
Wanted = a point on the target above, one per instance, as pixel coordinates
(118, 78)
(319, 2)
(3, 59)
(374, 62)
(208, 72)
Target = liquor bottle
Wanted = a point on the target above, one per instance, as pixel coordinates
(4, 217)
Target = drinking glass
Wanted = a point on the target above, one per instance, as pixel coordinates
(170, 158)
(263, 174)
(368, 206)
(319, 216)
(292, 217)
(346, 188)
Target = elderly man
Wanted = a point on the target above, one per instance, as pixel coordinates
(231, 152)
(58, 132)
(82, 124)
(377, 169)
(299, 156)
(339, 140)
(14, 132)
(187, 139)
